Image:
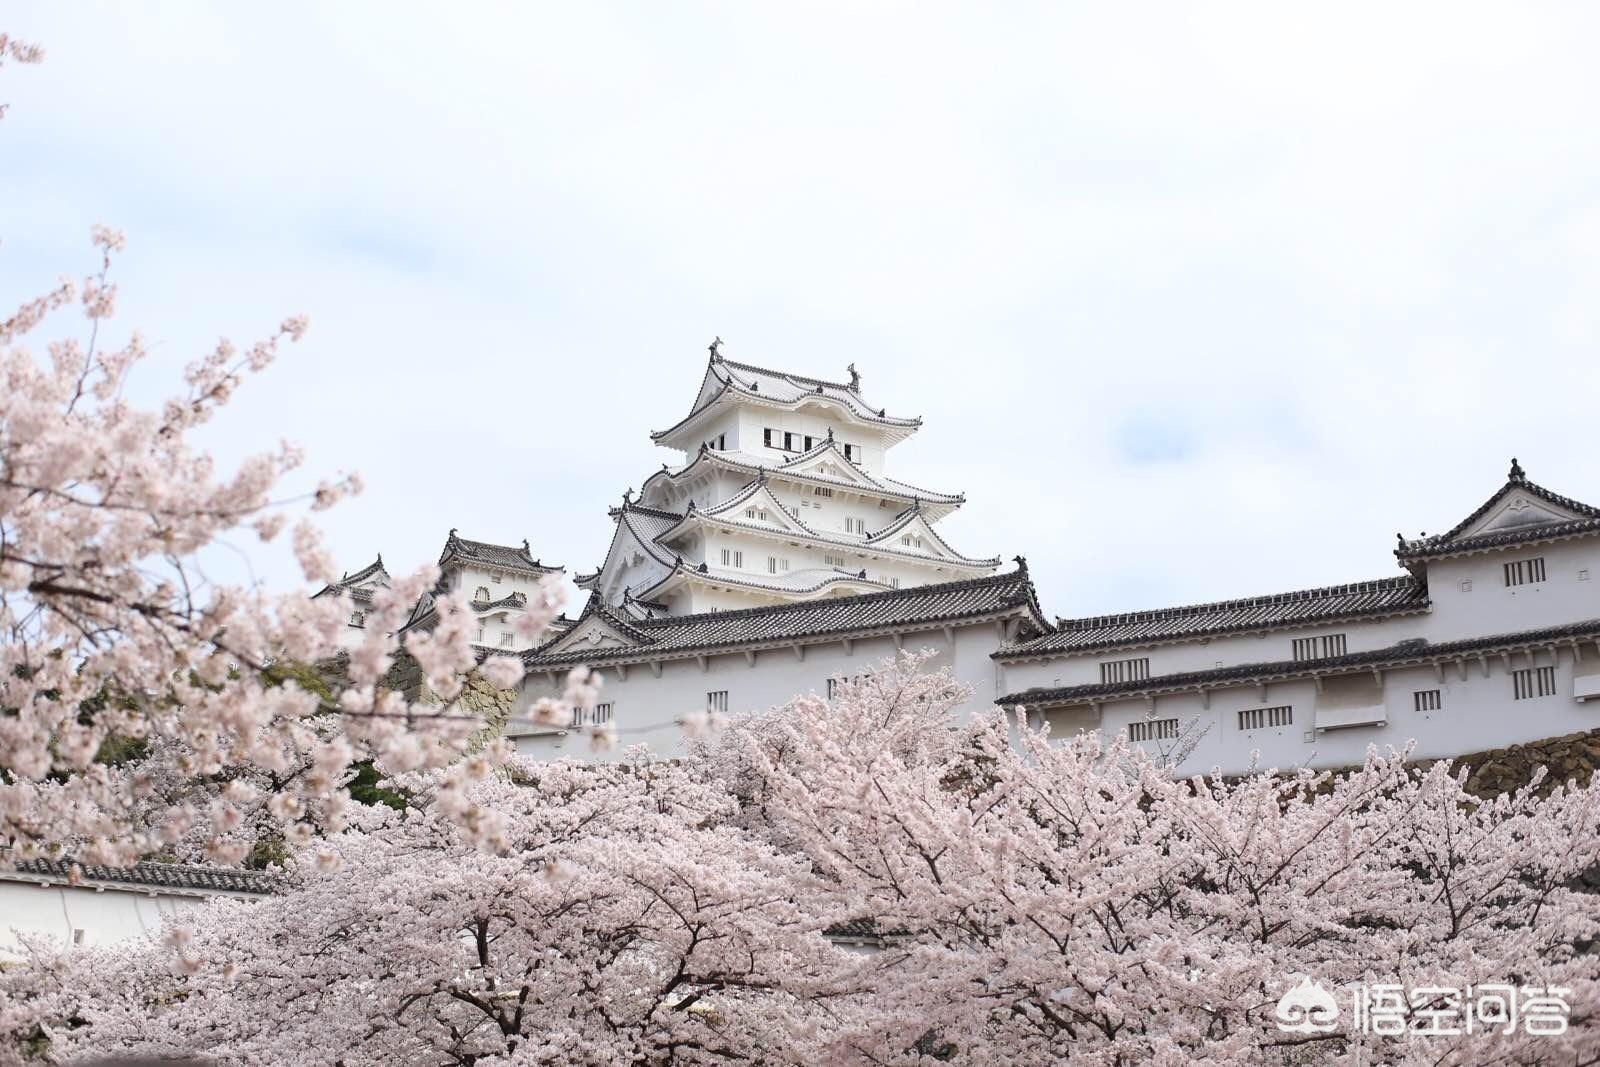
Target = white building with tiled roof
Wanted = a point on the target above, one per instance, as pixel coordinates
(780, 495)
(1490, 638)
(775, 555)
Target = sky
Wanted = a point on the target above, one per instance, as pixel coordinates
(1195, 302)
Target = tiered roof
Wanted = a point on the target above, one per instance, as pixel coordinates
(1519, 512)
(1335, 603)
(918, 607)
(724, 514)
(459, 550)
(357, 586)
(727, 381)
(796, 469)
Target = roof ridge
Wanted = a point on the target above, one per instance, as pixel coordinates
(1367, 586)
(887, 594)
(792, 377)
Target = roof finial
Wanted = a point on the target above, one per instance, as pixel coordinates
(1400, 539)
(1022, 564)
(452, 531)
(1516, 470)
(830, 433)
(855, 378)
(704, 447)
(380, 559)
(627, 495)
(716, 355)
(761, 478)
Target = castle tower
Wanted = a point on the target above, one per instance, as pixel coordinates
(778, 495)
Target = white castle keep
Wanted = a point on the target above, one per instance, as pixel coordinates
(777, 556)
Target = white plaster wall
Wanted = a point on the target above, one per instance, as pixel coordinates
(646, 708)
(1478, 712)
(103, 915)
(1457, 614)
(1569, 593)
(815, 420)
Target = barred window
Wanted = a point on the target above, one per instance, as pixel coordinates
(717, 701)
(1324, 647)
(775, 565)
(602, 714)
(894, 582)
(1525, 571)
(505, 640)
(1125, 670)
(577, 716)
(1426, 700)
(1264, 718)
(834, 561)
(833, 688)
(821, 490)
(1533, 682)
(732, 557)
(1153, 730)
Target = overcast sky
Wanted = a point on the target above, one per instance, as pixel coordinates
(1194, 304)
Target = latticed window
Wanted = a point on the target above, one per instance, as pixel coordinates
(1533, 682)
(1525, 571)
(1153, 730)
(1427, 700)
(1125, 670)
(577, 716)
(717, 701)
(1265, 718)
(481, 594)
(1324, 647)
(601, 715)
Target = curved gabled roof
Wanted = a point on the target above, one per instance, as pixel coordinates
(810, 582)
(1520, 523)
(499, 557)
(938, 504)
(726, 379)
(723, 515)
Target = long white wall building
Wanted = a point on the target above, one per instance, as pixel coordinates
(1490, 637)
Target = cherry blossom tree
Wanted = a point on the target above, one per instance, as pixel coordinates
(1042, 896)
(128, 675)
(607, 916)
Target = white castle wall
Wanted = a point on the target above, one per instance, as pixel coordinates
(1478, 708)
(646, 708)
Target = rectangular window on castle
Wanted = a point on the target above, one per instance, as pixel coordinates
(577, 717)
(851, 451)
(1533, 682)
(717, 701)
(1324, 647)
(766, 437)
(788, 442)
(808, 442)
(732, 557)
(1426, 700)
(602, 714)
(1525, 571)
(505, 640)
(834, 561)
(775, 565)
(833, 688)
(1125, 670)
(894, 583)
(822, 490)
(1265, 718)
(1153, 730)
